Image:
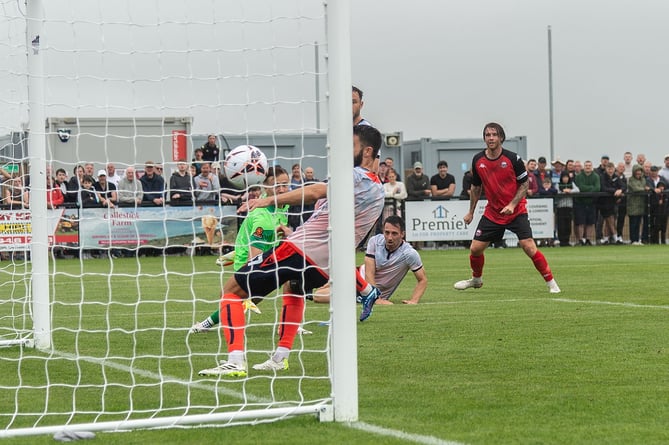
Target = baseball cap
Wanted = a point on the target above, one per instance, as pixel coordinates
(605, 157)
(666, 157)
(557, 161)
(541, 160)
(417, 165)
(215, 164)
(102, 173)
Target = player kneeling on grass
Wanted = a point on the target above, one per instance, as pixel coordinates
(502, 174)
(303, 257)
(387, 261)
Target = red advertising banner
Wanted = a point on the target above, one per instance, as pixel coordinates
(179, 145)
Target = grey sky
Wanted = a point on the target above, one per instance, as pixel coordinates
(429, 68)
(442, 69)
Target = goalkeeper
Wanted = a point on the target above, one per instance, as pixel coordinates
(257, 234)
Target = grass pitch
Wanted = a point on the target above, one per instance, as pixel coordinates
(508, 363)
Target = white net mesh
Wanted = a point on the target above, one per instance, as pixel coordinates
(125, 83)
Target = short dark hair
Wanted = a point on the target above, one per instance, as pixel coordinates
(495, 126)
(369, 137)
(61, 170)
(275, 170)
(396, 221)
(357, 90)
(442, 162)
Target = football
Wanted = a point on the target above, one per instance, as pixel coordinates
(245, 166)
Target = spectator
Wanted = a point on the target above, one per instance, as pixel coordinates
(198, 160)
(532, 184)
(309, 177)
(54, 194)
(637, 187)
(210, 150)
(106, 190)
(640, 159)
(578, 168)
(467, 185)
(130, 192)
(88, 197)
(542, 169)
(15, 194)
(74, 184)
(547, 188)
(383, 172)
(390, 163)
(89, 169)
(627, 162)
(621, 203)
(664, 171)
(112, 176)
(61, 180)
(612, 186)
(394, 190)
(564, 208)
(181, 185)
(153, 185)
(570, 168)
(417, 184)
(556, 171)
(601, 169)
(296, 180)
(585, 210)
(659, 208)
(206, 184)
(442, 185)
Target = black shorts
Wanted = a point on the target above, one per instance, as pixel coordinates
(488, 231)
(269, 270)
(585, 214)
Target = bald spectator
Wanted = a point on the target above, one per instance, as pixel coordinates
(130, 192)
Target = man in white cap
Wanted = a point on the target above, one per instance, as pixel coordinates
(106, 190)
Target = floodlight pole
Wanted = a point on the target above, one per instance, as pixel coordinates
(550, 94)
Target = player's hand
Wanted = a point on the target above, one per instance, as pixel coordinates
(253, 204)
(283, 231)
(508, 210)
(468, 218)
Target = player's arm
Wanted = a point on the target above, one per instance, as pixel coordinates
(304, 195)
(420, 287)
(370, 270)
(474, 196)
(520, 194)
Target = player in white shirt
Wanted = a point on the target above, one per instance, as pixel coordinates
(387, 261)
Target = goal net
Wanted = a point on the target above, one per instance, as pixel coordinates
(97, 301)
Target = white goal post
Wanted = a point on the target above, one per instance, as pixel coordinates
(96, 303)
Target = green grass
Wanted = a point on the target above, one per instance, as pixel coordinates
(508, 363)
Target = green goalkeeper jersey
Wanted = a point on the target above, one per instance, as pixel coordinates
(258, 230)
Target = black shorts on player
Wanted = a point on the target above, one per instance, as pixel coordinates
(488, 231)
(268, 271)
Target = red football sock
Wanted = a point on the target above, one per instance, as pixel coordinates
(360, 282)
(232, 321)
(541, 265)
(476, 263)
(291, 318)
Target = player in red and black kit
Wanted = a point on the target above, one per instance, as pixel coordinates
(502, 174)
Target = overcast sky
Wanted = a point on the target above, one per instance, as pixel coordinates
(430, 68)
(442, 69)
